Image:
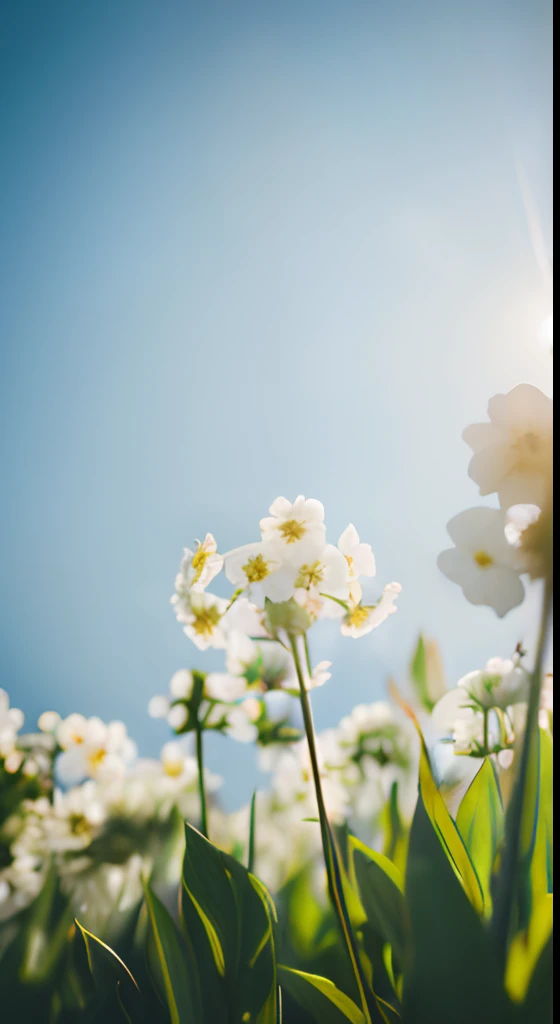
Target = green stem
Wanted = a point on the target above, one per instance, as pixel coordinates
(252, 823)
(201, 789)
(330, 852)
(505, 902)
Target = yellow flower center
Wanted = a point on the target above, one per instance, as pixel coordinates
(96, 759)
(292, 530)
(75, 737)
(205, 620)
(78, 824)
(310, 575)
(173, 768)
(199, 560)
(483, 559)
(358, 616)
(256, 569)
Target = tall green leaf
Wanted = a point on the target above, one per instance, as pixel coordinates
(323, 1001)
(111, 975)
(172, 964)
(381, 891)
(480, 820)
(451, 973)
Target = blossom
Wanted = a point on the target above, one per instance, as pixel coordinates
(199, 567)
(11, 721)
(485, 694)
(48, 722)
(202, 618)
(359, 557)
(361, 619)
(293, 529)
(513, 452)
(253, 564)
(92, 749)
(319, 676)
(223, 687)
(482, 562)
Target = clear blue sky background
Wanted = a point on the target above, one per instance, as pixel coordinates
(254, 249)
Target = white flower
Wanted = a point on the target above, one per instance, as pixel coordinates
(11, 721)
(502, 685)
(242, 653)
(92, 749)
(292, 530)
(361, 619)
(177, 716)
(252, 564)
(181, 684)
(359, 557)
(203, 620)
(222, 686)
(245, 617)
(158, 706)
(319, 675)
(513, 453)
(178, 765)
(482, 562)
(240, 721)
(75, 818)
(48, 722)
(199, 567)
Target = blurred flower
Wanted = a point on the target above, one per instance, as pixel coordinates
(48, 722)
(92, 749)
(482, 562)
(11, 721)
(513, 453)
(359, 558)
(483, 700)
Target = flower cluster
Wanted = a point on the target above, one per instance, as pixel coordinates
(291, 565)
(512, 457)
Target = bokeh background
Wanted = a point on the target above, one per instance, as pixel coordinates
(253, 249)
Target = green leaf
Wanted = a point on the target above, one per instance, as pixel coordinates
(322, 1000)
(542, 858)
(451, 971)
(172, 964)
(252, 826)
(426, 672)
(480, 820)
(110, 974)
(444, 826)
(228, 916)
(381, 891)
(395, 835)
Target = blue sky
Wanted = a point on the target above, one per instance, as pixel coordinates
(252, 250)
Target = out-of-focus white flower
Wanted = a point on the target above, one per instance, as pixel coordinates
(242, 653)
(178, 765)
(177, 716)
(513, 452)
(48, 721)
(92, 749)
(482, 562)
(294, 529)
(224, 687)
(319, 676)
(359, 557)
(361, 619)
(460, 713)
(244, 617)
(181, 684)
(202, 618)
(158, 706)
(11, 721)
(75, 818)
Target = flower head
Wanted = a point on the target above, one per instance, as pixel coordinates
(294, 529)
(11, 721)
(482, 562)
(359, 557)
(92, 749)
(512, 454)
(361, 619)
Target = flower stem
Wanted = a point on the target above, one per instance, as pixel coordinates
(506, 902)
(330, 852)
(201, 789)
